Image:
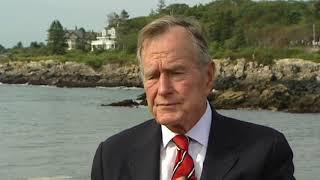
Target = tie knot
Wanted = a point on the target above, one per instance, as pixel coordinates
(181, 141)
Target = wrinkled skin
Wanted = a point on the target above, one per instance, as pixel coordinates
(176, 84)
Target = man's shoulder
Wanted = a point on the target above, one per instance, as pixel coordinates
(130, 137)
(114, 153)
(249, 131)
(260, 149)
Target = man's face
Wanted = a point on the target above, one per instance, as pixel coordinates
(176, 85)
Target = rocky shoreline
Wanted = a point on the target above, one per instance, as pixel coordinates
(291, 85)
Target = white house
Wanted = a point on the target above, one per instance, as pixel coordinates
(106, 41)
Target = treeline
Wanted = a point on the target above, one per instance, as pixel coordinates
(258, 30)
(56, 47)
(255, 30)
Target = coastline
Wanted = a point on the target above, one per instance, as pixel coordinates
(291, 85)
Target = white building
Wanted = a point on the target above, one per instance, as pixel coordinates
(106, 40)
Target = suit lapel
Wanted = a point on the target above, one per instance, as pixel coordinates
(221, 156)
(221, 153)
(145, 159)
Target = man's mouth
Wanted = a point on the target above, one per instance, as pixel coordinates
(166, 104)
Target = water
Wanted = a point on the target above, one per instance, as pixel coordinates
(50, 133)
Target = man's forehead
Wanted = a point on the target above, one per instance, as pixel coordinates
(158, 54)
(170, 53)
(166, 57)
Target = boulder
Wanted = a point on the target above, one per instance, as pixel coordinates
(276, 97)
(229, 99)
(127, 103)
(307, 104)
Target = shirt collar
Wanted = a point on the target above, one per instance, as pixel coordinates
(199, 132)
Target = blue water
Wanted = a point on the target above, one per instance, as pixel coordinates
(50, 133)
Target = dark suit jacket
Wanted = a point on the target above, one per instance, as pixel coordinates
(236, 151)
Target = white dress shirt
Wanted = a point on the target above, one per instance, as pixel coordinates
(199, 135)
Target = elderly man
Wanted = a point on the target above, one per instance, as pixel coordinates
(187, 139)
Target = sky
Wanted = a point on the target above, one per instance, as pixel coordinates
(29, 20)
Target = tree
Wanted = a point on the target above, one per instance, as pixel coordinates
(161, 5)
(294, 17)
(83, 41)
(113, 19)
(127, 33)
(56, 38)
(221, 29)
(34, 44)
(177, 9)
(2, 49)
(19, 45)
(152, 13)
(240, 40)
(316, 5)
(124, 15)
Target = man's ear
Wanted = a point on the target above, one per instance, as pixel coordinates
(211, 74)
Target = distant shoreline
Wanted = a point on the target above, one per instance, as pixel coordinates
(288, 85)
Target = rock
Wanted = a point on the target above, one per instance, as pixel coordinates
(296, 69)
(230, 82)
(307, 104)
(239, 68)
(288, 84)
(229, 99)
(143, 99)
(275, 97)
(263, 73)
(69, 74)
(127, 103)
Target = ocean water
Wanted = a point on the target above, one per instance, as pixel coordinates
(50, 133)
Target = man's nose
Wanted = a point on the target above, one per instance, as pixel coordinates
(165, 86)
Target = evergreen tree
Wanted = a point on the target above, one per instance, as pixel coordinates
(113, 19)
(316, 5)
(56, 38)
(2, 49)
(221, 29)
(240, 39)
(34, 44)
(237, 40)
(81, 43)
(124, 15)
(152, 13)
(19, 45)
(161, 6)
(176, 9)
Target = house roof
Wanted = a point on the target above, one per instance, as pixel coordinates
(80, 34)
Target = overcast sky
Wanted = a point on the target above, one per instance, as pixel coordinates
(29, 20)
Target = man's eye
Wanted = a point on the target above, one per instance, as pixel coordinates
(177, 72)
(151, 76)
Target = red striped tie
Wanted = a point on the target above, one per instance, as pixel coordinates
(184, 164)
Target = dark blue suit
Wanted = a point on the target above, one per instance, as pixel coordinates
(237, 150)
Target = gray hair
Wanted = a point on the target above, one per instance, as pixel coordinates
(163, 24)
